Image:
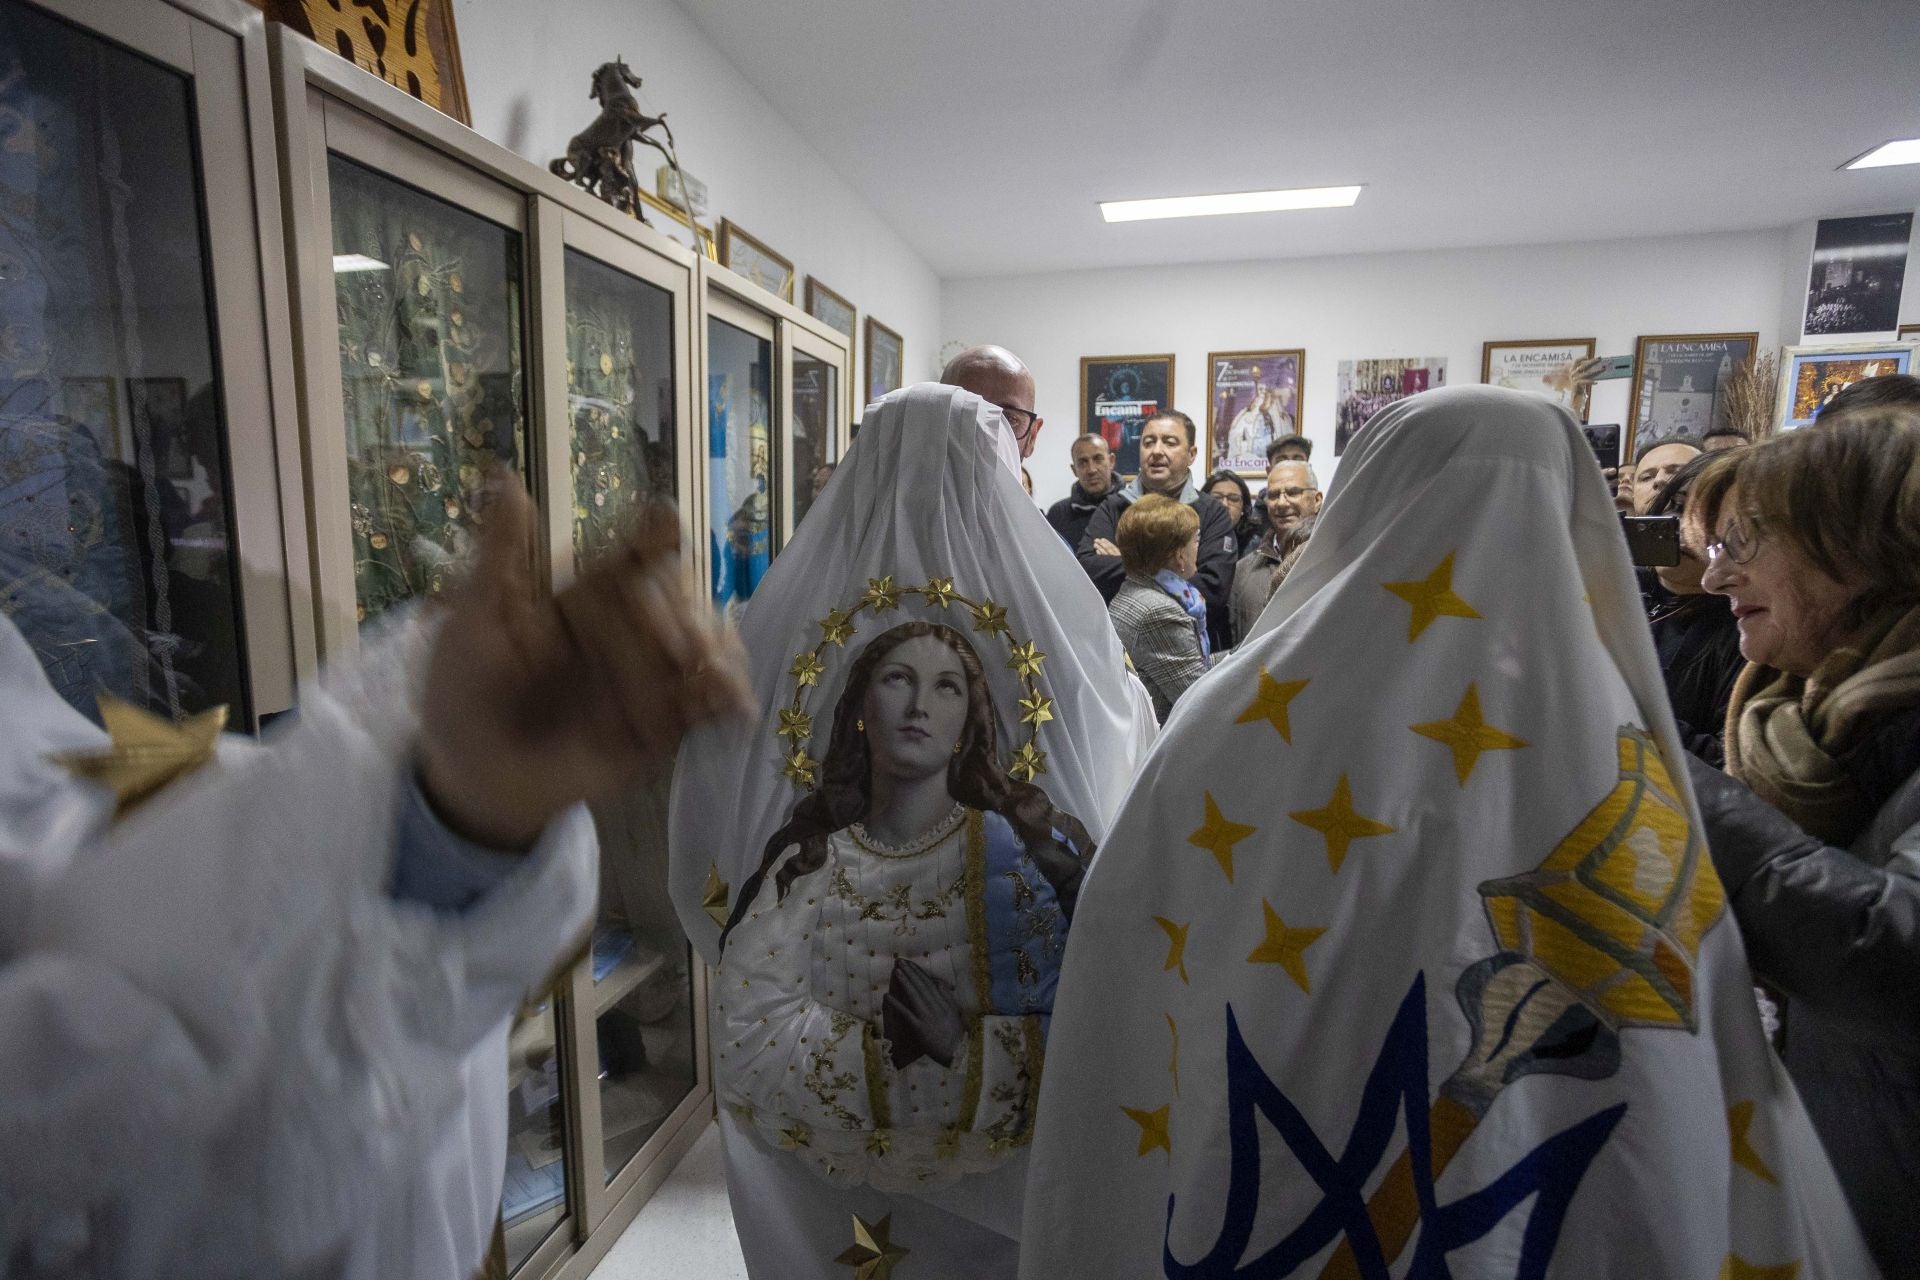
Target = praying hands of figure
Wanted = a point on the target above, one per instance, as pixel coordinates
(920, 1017)
(533, 704)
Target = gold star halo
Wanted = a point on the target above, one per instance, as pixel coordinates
(1468, 735)
(1153, 1128)
(938, 592)
(873, 1255)
(1285, 946)
(1028, 761)
(1218, 836)
(989, 618)
(837, 626)
(148, 751)
(807, 669)
(1036, 710)
(1739, 1121)
(800, 767)
(795, 724)
(1340, 823)
(1432, 597)
(713, 896)
(881, 595)
(1270, 704)
(1176, 945)
(1026, 660)
(1738, 1268)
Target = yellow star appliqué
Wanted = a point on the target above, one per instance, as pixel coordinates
(1026, 659)
(794, 724)
(1028, 761)
(1431, 597)
(1270, 704)
(1284, 946)
(1153, 1128)
(881, 594)
(837, 626)
(1738, 1268)
(807, 669)
(1176, 945)
(713, 897)
(873, 1254)
(989, 618)
(148, 751)
(1218, 836)
(1036, 710)
(1739, 1121)
(1340, 823)
(938, 592)
(1467, 735)
(799, 766)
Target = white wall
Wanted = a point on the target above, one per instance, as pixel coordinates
(528, 71)
(1381, 305)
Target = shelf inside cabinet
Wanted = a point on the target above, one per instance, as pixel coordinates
(625, 977)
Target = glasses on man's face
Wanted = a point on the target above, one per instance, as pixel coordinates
(1291, 495)
(1021, 420)
(1735, 543)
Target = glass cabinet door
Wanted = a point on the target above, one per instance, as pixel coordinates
(428, 299)
(740, 453)
(816, 429)
(117, 557)
(533, 1199)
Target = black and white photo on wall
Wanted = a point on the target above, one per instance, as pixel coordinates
(1859, 265)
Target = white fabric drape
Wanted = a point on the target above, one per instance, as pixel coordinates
(1415, 881)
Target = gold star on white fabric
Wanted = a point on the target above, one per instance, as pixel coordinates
(1270, 704)
(1739, 1121)
(148, 751)
(1285, 946)
(1468, 735)
(1176, 945)
(873, 1254)
(1340, 823)
(1218, 836)
(1432, 598)
(1153, 1128)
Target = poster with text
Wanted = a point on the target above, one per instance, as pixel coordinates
(1368, 386)
(1254, 400)
(1117, 396)
(1545, 368)
(1859, 265)
(1676, 384)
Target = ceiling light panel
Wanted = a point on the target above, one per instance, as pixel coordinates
(1899, 151)
(1235, 202)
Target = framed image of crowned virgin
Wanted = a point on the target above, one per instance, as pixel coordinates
(1676, 384)
(1253, 399)
(1117, 396)
(886, 360)
(1811, 376)
(1545, 366)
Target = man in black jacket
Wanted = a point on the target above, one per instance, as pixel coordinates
(1168, 446)
(1092, 483)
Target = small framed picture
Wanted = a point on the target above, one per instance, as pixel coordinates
(886, 360)
(747, 256)
(828, 307)
(1676, 384)
(1253, 399)
(1367, 386)
(1544, 366)
(1811, 376)
(1117, 396)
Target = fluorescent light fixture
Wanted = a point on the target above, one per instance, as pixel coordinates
(345, 262)
(1235, 202)
(1899, 151)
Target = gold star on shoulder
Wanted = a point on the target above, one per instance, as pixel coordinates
(989, 618)
(1153, 1128)
(1468, 735)
(881, 594)
(1218, 836)
(713, 896)
(1028, 761)
(1026, 659)
(794, 724)
(1270, 704)
(1432, 597)
(1176, 945)
(873, 1255)
(1738, 1268)
(1739, 1121)
(1340, 824)
(148, 751)
(1285, 946)
(807, 669)
(837, 626)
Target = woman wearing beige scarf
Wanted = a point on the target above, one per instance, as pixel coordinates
(1815, 539)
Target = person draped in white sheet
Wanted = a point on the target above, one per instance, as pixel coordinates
(1420, 966)
(884, 868)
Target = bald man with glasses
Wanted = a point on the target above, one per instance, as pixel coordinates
(1000, 378)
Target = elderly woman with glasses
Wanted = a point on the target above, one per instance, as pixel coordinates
(1814, 538)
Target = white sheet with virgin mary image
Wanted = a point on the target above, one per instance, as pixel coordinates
(1405, 957)
(884, 867)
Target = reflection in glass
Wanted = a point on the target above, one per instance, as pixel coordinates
(428, 298)
(533, 1199)
(115, 535)
(816, 429)
(620, 399)
(739, 461)
(643, 979)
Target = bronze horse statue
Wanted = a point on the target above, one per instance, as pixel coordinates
(600, 156)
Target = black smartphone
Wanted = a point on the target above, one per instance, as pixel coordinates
(1604, 437)
(1652, 541)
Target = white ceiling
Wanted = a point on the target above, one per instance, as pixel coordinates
(985, 130)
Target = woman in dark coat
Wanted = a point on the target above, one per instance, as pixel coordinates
(1694, 633)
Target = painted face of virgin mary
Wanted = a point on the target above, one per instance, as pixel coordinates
(915, 709)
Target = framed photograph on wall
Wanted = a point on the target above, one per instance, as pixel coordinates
(744, 255)
(1117, 396)
(1811, 376)
(412, 47)
(886, 360)
(1858, 266)
(1368, 386)
(1676, 384)
(1544, 366)
(1253, 399)
(828, 307)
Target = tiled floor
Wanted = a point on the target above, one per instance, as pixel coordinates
(686, 1231)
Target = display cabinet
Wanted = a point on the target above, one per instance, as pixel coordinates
(145, 420)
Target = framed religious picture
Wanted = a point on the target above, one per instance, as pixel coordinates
(1368, 386)
(828, 307)
(1253, 399)
(1117, 396)
(1858, 267)
(1545, 366)
(747, 256)
(1676, 384)
(886, 360)
(412, 46)
(1811, 376)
